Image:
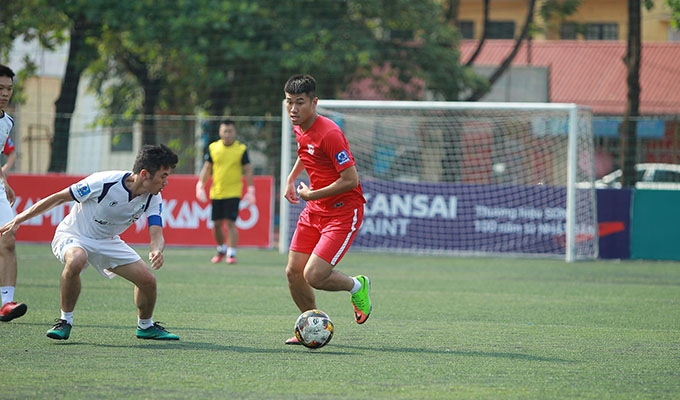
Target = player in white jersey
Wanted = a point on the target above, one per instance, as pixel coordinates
(8, 258)
(106, 204)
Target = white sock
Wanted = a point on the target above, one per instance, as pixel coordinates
(357, 286)
(67, 316)
(144, 323)
(7, 294)
(231, 252)
(222, 248)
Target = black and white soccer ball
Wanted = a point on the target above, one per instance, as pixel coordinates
(314, 329)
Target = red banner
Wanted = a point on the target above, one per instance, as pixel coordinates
(186, 221)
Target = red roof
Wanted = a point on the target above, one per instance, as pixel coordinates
(592, 73)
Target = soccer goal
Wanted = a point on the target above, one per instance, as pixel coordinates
(490, 179)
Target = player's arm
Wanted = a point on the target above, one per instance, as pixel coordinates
(11, 160)
(11, 197)
(156, 246)
(248, 174)
(250, 191)
(42, 206)
(291, 194)
(203, 176)
(348, 180)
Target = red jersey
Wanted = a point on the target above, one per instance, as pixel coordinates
(324, 152)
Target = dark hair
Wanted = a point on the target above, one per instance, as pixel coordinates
(6, 71)
(299, 84)
(152, 158)
(227, 122)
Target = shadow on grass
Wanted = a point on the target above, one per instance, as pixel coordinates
(160, 345)
(495, 354)
(329, 350)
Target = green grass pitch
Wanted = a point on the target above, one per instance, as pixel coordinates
(441, 328)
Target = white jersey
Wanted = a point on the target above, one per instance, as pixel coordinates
(105, 208)
(6, 212)
(6, 125)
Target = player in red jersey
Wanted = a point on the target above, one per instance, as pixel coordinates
(335, 205)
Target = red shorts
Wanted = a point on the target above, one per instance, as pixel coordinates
(327, 237)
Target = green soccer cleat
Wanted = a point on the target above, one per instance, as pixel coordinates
(60, 331)
(361, 300)
(155, 332)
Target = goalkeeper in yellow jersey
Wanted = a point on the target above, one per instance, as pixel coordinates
(227, 161)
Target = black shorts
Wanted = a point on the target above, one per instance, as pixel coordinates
(225, 208)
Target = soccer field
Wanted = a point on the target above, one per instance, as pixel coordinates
(441, 328)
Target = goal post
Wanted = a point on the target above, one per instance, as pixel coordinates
(465, 178)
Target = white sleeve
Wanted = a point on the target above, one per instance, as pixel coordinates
(90, 187)
(155, 206)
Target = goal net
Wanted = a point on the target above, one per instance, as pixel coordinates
(497, 179)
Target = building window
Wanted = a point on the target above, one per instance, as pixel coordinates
(601, 31)
(568, 31)
(673, 34)
(467, 29)
(501, 30)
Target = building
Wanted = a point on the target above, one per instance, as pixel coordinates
(593, 20)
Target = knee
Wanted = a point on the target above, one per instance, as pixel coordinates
(292, 274)
(75, 262)
(313, 277)
(147, 282)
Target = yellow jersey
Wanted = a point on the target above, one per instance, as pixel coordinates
(227, 169)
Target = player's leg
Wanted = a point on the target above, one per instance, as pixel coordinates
(232, 240)
(231, 213)
(218, 229)
(300, 290)
(75, 261)
(9, 309)
(320, 275)
(337, 235)
(145, 299)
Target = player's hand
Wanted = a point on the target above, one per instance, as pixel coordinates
(304, 192)
(291, 194)
(156, 259)
(11, 225)
(200, 192)
(250, 196)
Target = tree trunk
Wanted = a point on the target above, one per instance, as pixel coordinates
(484, 33)
(78, 59)
(478, 94)
(629, 125)
(151, 97)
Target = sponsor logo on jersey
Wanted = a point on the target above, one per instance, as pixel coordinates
(342, 157)
(82, 188)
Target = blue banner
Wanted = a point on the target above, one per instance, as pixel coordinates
(436, 217)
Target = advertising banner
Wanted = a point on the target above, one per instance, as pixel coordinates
(613, 217)
(186, 221)
(435, 217)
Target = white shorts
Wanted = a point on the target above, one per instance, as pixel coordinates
(6, 212)
(103, 254)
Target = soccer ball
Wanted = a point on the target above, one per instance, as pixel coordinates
(314, 329)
